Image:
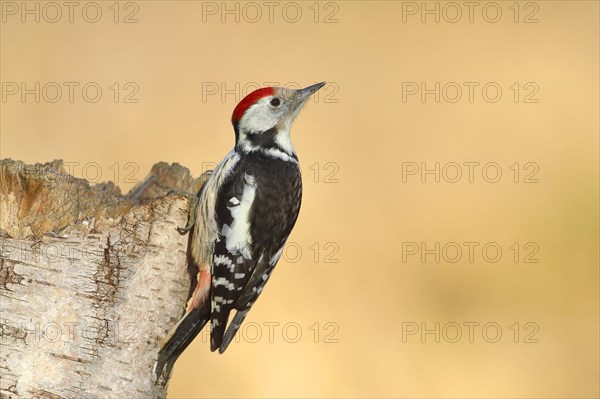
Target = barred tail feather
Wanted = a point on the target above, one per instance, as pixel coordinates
(179, 338)
(232, 329)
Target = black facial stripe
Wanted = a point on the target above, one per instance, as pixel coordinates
(264, 139)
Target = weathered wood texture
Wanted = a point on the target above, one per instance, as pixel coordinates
(90, 281)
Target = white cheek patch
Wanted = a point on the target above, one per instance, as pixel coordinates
(259, 117)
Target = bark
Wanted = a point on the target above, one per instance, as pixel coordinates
(90, 280)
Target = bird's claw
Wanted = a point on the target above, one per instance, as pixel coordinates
(194, 199)
(192, 212)
(186, 229)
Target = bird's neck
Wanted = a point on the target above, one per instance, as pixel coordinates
(274, 142)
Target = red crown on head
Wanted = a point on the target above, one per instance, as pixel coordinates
(249, 100)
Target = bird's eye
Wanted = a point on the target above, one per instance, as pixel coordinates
(275, 102)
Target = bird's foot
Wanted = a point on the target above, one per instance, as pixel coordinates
(192, 212)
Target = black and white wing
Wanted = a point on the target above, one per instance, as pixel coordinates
(232, 263)
(254, 220)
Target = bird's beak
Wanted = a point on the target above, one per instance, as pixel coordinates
(299, 98)
(304, 94)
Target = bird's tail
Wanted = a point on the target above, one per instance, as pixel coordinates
(179, 338)
(235, 324)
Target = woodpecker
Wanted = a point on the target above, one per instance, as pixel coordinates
(244, 213)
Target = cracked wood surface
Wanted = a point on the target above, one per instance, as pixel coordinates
(90, 280)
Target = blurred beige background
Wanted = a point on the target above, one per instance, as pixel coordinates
(345, 312)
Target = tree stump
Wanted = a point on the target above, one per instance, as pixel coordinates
(90, 280)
